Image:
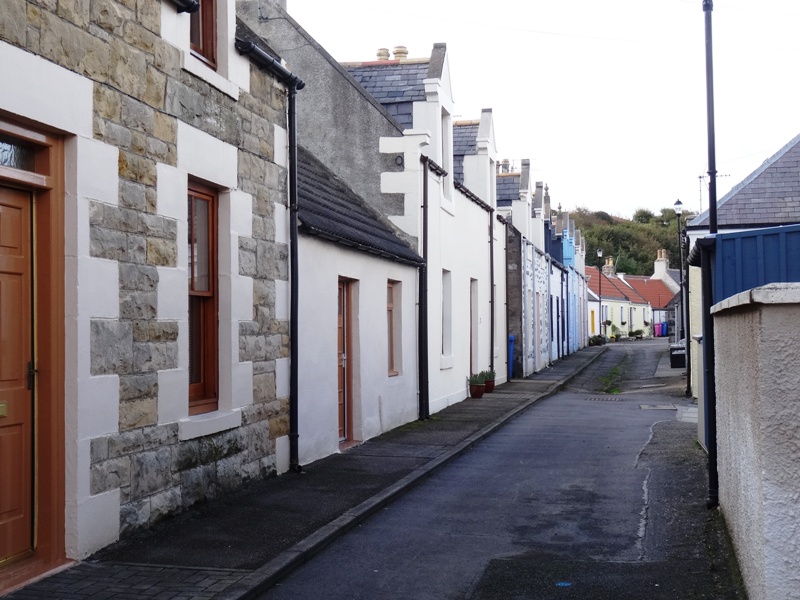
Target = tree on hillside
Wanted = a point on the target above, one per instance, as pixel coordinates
(633, 244)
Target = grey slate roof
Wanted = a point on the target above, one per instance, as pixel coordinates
(403, 113)
(392, 81)
(465, 137)
(507, 188)
(330, 209)
(770, 195)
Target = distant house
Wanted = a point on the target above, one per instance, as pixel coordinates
(658, 296)
(465, 246)
(622, 307)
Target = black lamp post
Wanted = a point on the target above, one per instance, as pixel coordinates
(679, 212)
(600, 281)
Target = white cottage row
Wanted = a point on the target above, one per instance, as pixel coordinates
(230, 256)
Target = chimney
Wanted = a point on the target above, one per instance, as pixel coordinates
(661, 265)
(383, 54)
(505, 166)
(608, 269)
(400, 53)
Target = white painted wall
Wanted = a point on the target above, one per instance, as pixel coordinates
(380, 402)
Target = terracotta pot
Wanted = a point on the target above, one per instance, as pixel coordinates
(476, 390)
(489, 384)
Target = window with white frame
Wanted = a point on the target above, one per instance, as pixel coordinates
(394, 327)
(447, 313)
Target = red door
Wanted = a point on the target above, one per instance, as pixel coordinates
(16, 397)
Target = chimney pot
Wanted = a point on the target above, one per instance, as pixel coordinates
(400, 52)
(383, 54)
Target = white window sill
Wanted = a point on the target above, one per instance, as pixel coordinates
(446, 361)
(208, 424)
(198, 68)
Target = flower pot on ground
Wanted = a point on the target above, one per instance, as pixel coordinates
(488, 379)
(477, 385)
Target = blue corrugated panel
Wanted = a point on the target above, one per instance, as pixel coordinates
(753, 258)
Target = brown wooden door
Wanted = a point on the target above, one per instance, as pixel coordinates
(343, 340)
(16, 352)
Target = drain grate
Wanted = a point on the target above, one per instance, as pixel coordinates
(604, 399)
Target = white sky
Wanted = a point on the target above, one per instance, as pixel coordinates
(605, 97)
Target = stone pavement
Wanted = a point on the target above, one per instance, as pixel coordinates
(239, 545)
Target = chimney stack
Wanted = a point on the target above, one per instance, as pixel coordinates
(400, 53)
(608, 269)
(383, 54)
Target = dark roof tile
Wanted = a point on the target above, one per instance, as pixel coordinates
(327, 207)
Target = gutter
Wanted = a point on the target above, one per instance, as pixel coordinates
(265, 61)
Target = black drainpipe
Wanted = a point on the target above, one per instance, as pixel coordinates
(265, 61)
(491, 289)
(422, 334)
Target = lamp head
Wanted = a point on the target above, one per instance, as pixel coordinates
(599, 253)
(678, 207)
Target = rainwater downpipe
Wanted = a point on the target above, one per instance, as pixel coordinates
(491, 289)
(422, 334)
(265, 61)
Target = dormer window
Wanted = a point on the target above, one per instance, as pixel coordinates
(203, 33)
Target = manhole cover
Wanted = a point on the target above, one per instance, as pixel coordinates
(657, 406)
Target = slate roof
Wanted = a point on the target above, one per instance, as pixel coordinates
(770, 195)
(653, 291)
(465, 136)
(330, 209)
(391, 81)
(507, 188)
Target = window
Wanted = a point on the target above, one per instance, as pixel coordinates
(393, 325)
(447, 314)
(203, 32)
(203, 350)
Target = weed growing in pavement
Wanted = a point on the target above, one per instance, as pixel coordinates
(610, 383)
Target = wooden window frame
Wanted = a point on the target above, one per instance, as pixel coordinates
(203, 25)
(203, 393)
(392, 323)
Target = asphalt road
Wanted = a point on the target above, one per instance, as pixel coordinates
(584, 495)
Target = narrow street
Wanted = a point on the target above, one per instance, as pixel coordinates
(586, 494)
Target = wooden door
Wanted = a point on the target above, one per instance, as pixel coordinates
(342, 338)
(16, 395)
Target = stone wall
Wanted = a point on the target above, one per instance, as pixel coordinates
(140, 94)
(758, 426)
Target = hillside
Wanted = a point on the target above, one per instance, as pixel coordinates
(634, 244)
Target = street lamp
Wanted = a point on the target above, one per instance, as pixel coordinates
(600, 293)
(679, 212)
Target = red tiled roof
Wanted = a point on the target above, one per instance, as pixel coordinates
(652, 290)
(613, 287)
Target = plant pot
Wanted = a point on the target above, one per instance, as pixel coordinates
(489, 385)
(476, 390)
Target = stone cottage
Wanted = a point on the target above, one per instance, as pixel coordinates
(143, 168)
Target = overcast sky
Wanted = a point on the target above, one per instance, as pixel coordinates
(605, 97)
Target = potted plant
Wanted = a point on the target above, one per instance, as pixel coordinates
(488, 379)
(476, 384)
